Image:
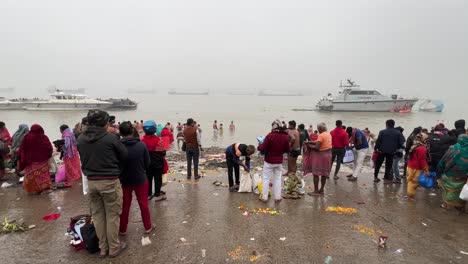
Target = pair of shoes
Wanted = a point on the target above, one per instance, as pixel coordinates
(197, 178)
(189, 178)
(232, 189)
(261, 199)
(150, 197)
(150, 230)
(396, 181)
(353, 179)
(336, 177)
(349, 175)
(122, 247)
(385, 181)
(376, 180)
(103, 253)
(162, 192)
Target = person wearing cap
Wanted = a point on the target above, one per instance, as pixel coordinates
(157, 154)
(275, 145)
(102, 156)
(193, 146)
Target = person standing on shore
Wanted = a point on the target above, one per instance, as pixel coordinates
(388, 142)
(310, 129)
(133, 178)
(155, 146)
(459, 129)
(5, 140)
(71, 157)
(16, 141)
(358, 141)
(340, 140)
(319, 164)
(233, 154)
(275, 144)
(179, 128)
(396, 160)
(193, 146)
(295, 145)
(439, 142)
(303, 136)
(417, 163)
(102, 157)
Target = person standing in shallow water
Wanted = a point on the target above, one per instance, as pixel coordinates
(133, 178)
(276, 143)
(339, 142)
(102, 157)
(193, 146)
(295, 145)
(319, 163)
(233, 154)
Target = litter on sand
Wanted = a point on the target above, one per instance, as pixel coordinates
(184, 222)
(31, 226)
(236, 253)
(8, 226)
(145, 241)
(433, 194)
(252, 239)
(254, 256)
(183, 239)
(51, 217)
(282, 238)
(463, 252)
(341, 210)
(424, 224)
(328, 259)
(367, 230)
(6, 185)
(398, 251)
(215, 194)
(203, 253)
(258, 211)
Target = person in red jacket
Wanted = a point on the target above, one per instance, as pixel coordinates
(276, 143)
(340, 140)
(417, 163)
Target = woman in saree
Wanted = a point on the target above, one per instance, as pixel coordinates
(35, 152)
(71, 157)
(417, 163)
(454, 170)
(16, 142)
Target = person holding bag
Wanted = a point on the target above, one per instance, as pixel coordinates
(233, 154)
(360, 145)
(417, 163)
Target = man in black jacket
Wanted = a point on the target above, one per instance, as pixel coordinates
(439, 143)
(388, 142)
(101, 157)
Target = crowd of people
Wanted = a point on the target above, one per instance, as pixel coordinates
(119, 159)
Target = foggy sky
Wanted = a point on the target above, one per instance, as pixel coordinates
(413, 47)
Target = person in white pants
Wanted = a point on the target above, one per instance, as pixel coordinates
(357, 139)
(275, 144)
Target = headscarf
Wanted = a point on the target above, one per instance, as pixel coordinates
(276, 125)
(36, 147)
(70, 143)
(18, 136)
(460, 152)
(421, 140)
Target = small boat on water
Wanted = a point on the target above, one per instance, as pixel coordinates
(174, 92)
(60, 101)
(9, 105)
(263, 93)
(352, 98)
(122, 104)
(428, 105)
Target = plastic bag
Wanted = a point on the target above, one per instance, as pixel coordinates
(427, 181)
(256, 180)
(85, 184)
(464, 192)
(61, 175)
(302, 189)
(349, 156)
(245, 183)
(164, 180)
(52, 166)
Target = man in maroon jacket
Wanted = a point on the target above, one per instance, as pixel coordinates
(340, 141)
(276, 143)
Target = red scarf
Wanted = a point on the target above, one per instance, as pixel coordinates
(36, 147)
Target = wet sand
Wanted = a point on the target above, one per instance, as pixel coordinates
(208, 217)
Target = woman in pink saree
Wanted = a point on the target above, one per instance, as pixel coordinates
(71, 157)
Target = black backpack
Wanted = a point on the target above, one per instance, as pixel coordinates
(88, 232)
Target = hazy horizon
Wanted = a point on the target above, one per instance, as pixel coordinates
(413, 48)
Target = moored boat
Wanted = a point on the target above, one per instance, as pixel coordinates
(60, 101)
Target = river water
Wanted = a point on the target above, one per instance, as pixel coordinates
(251, 114)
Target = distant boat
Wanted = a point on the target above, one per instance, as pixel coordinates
(429, 105)
(174, 92)
(122, 104)
(52, 89)
(142, 91)
(263, 93)
(60, 101)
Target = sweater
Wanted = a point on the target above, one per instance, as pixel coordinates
(417, 160)
(274, 146)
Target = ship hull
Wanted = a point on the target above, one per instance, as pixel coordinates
(11, 106)
(64, 106)
(367, 106)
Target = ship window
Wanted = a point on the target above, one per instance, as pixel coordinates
(359, 92)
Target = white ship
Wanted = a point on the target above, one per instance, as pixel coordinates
(60, 101)
(352, 98)
(9, 105)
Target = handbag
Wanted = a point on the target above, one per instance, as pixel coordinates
(464, 192)
(349, 156)
(427, 181)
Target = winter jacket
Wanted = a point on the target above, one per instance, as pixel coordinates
(439, 144)
(418, 160)
(138, 162)
(156, 150)
(102, 154)
(389, 140)
(274, 146)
